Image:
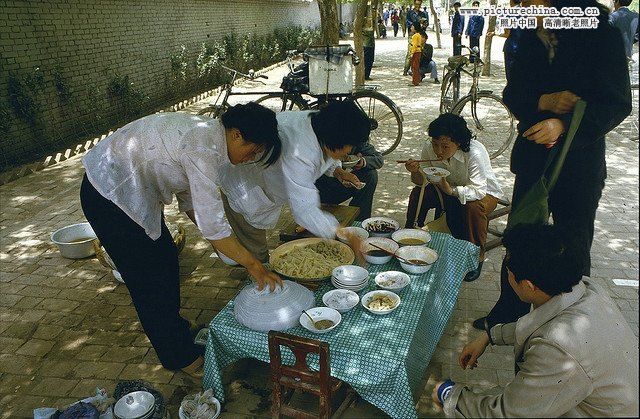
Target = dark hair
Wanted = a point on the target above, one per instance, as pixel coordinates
(454, 127)
(341, 123)
(625, 3)
(475, 2)
(423, 33)
(542, 255)
(257, 125)
(456, 4)
(603, 18)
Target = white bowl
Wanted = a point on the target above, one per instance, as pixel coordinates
(136, 404)
(226, 259)
(392, 280)
(366, 299)
(417, 252)
(370, 222)
(354, 288)
(411, 233)
(341, 299)
(75, 241)
(383, 242)
(342, 233)
(435, 174)
(183, 415)
(350, 274)
(350, 161)
(320, 313)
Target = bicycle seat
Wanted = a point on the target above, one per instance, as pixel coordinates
(457, 61)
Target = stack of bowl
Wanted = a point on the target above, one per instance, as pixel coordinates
(350, 277)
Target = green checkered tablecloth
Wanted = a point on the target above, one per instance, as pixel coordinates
(382, 357)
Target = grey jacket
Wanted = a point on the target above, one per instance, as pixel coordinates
(626, 21)
(577, 357)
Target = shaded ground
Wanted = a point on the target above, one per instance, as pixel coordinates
(66, 326)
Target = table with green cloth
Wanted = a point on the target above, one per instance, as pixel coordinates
(382, 357)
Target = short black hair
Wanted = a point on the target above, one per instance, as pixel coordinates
(341, 123)
(454, 127)
(475, 3)
(544, 256)
(258, 125)
(456, 4)
(624, 2)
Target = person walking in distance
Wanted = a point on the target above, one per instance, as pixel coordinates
(457, 27)
(474, 29)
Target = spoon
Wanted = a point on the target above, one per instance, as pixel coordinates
(313, 322)
(407, 261)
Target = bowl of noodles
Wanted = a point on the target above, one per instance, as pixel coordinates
(310, 260)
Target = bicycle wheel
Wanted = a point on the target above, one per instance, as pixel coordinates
(279, 102)
(386, 119)
(450, 92)
(490, 120)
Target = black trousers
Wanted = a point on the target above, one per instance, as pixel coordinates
(474, 41)
(395, 29)
(457, 44)
(150, 270)
(369, 55)
(573, 204)
(332, 192)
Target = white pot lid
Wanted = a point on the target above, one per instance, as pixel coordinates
(134, 405)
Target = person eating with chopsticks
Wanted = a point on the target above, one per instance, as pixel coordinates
(469, 193)
(134, 172)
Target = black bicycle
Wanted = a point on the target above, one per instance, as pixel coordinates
(385, 116)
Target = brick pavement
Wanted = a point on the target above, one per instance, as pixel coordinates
(67, 327)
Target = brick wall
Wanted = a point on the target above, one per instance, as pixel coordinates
(83, 44)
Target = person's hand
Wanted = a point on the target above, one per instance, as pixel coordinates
(444, 186)
(558, 102)
(471, 352)
(348, 179)
(545, 132)
(264, 277)
(360, 163)
(434, 395)
(412, 166)
(490, 34)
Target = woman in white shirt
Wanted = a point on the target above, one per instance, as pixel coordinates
(134, 172)
(470, 193)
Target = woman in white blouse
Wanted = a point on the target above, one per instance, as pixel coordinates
(470, 193)
(134, 172)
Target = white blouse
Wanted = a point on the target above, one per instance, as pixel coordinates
(472, 176)
(143, 164)
(259, 194)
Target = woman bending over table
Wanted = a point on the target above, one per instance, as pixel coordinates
(469, 193)
(134, 172)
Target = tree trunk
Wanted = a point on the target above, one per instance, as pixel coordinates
(486, 70)
(436, 23)
(329, 24)
(373, 11)
(358, 26)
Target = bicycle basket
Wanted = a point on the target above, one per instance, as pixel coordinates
(457, 61)
(295, 83)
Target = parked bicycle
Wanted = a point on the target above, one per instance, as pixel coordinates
(386, 117)
(488, 116)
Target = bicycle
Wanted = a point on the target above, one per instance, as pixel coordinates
(494, 124)
(385, 116)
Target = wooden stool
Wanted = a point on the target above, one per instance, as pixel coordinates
(300, 377)
(504, 208)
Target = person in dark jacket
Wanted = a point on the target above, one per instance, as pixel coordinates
(511, 44)
(457, 27)
(474, 29)
(416, 19)
(551, 71)
(427, 64)
(626, 21)
(332, 191)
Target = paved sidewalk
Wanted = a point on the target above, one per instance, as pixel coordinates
(67, 327)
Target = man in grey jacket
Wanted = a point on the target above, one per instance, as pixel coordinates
(626, 21)
(576, 355)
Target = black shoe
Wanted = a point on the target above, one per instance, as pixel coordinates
(479, 323)
(368, 78)
(436, 81)
(473, 275)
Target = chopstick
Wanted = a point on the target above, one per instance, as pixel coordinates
(417, 161)
(398, 257)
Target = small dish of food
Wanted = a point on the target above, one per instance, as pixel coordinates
(325, 319)
(435, 174)
(380, 226)
(381, 301)
(343, 232)
(392, 280)
(341, 300)
(377, 256)
(411, 237)
(422, 258)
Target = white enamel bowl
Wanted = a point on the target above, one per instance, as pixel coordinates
(75, 241)
(392, 280)
(369, 224)
(422, 253)
(411, 234)
(320, 313)
(383, 242)
(341, 300)
(368, 297)
(435, 174)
